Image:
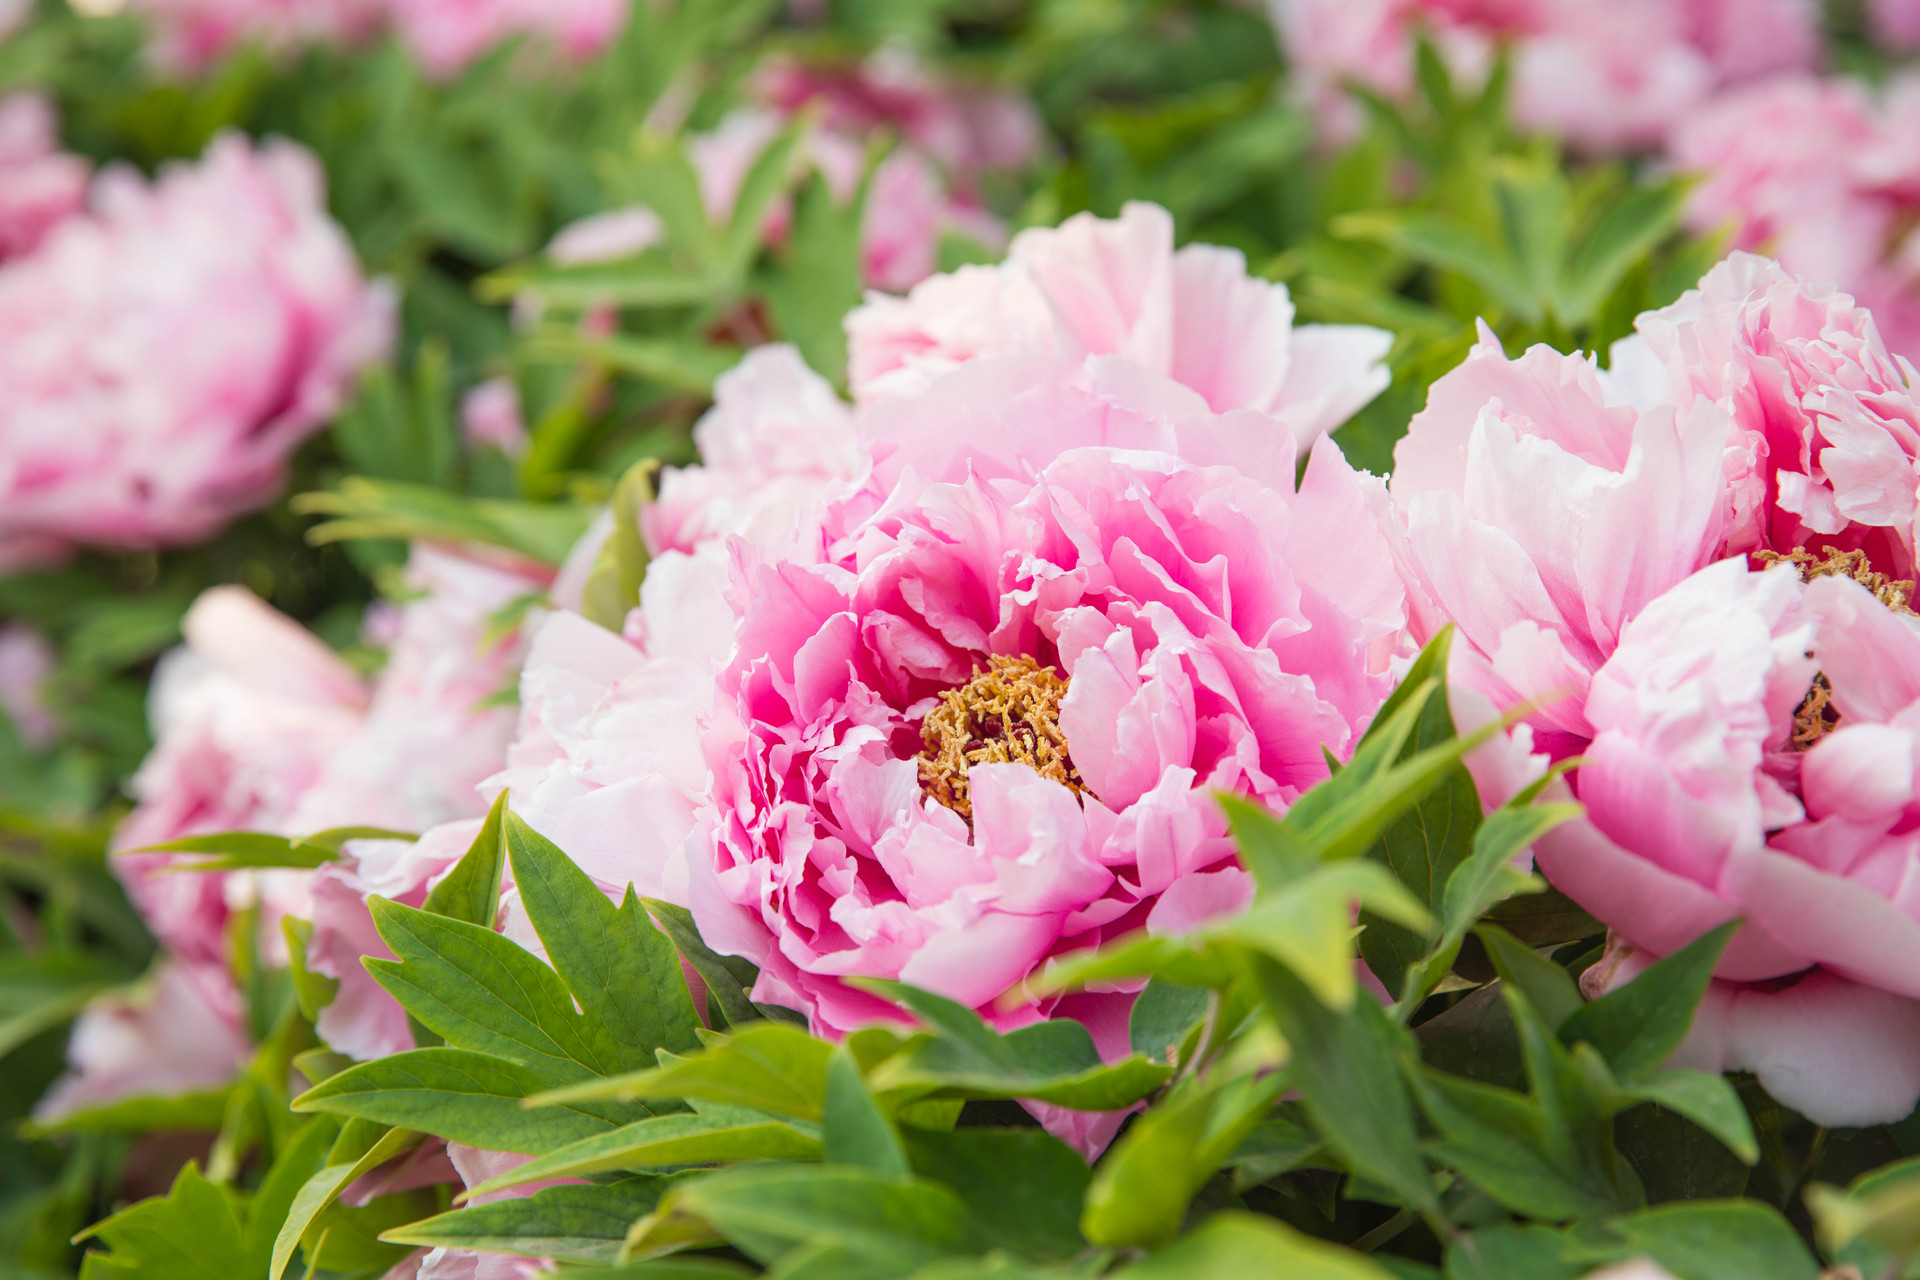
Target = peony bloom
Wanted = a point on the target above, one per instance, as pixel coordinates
(1753, 759)
(191, 35)
(1605, 79)
(1078, 623)
(909, 207)
(965, 130)
(1897, 22)
(1117, 288)
(490, 417)
(39, 184)
(164, 353)
(177, 1032)
(26, 661)
(1611, 549)
(446, 35)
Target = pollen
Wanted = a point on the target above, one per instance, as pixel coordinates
(1009, 713)
(1895, 593)
(1816, 717)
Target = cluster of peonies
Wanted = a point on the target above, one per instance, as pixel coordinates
(1697, 567)
(444, 35)
(1603, 77)
(164, 349)
(261, 727)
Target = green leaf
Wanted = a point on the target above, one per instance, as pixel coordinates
(1707, 1100)
(481, 991)
(1346, 1068)
(579, 1224)
(1875, 1223)
(1140, 1193)
(237, 850)
(768, 1210)
(1162, 1017)
(650, 279)
(1307, 924)
(1496, 1138)
(1713, 1240)
(664, 1142)
(770, 1066)
(729, 979)
(190, 1234)
(1629, 229)
(322, 1188)
(312, 991)
(766, 181)
(1248, 1246)
(462, 1096)
(304, 1154)
(613, 588)
(365, 508)
(676, 364)
(1509, 1252)
(39, 992)
(1277, 1145)
(471, 891)
(1051, 1061)
(1547, 986)
(855, 1131)
(620, 968)
(1023, 1186)
(817, 281)
(1638, 1026)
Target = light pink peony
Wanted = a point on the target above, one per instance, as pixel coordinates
(1098, 288)
(1715, 790)
(191, 35)
(1897, 22)
(39, 184)
(964, 129)
(1604, 78)
(163, 354)
(818, 855)
(177, 1032)
(445, 35)
(909, 207)
(26, 661)
(490, 416)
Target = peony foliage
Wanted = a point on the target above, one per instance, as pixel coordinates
(924, 641)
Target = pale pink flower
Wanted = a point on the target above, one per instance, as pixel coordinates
(12, 14)
(965, 129)
(178, 1031)
(1897, 22)
(1096, 288)
(26, 661)
(445, 35)
(908, 208)
(607, 237)
(39, 184)
(191, 35)
(490, 416)
(164, 353)
(819, 857)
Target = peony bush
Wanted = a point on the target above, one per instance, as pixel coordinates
(920, 643)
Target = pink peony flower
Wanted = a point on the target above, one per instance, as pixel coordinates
(445, 35)
(908, 206)
(1117, 288)
(1897, 22)
(1605, 79)
(177, 1032)
(191, 35)
(26, 661)
(163, 354)
(12, 14)
(607, 237)
(844, 835)
(490, 416)
(39, 184)
(966, 130)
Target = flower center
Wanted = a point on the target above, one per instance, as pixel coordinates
(1815, 717)
(1895, 593)
(1009, 713)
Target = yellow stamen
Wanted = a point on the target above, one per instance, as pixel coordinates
(1895, 593)
(1009, 713)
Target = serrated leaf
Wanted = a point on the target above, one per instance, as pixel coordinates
(770, 1066)
(471, 891)
(189, 1234)
(621, 969)
(579, 1224)
(465, 1097)
(1638, 1026)
(663, 1142)
(1050, 1061)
